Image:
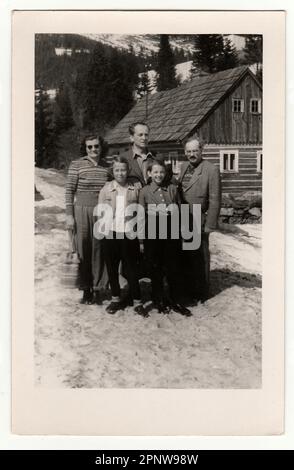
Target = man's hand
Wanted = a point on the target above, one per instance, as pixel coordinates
(141, 248)
(70, 222)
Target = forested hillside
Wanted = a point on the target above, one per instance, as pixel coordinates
(88, 95)
(85, 85)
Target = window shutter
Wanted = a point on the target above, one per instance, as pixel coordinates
(235, 107)
(259, 106)
(259, 161)
(237, 161)
(173, 154)
(221, 162)
(252, 105)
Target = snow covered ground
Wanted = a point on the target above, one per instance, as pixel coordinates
(83, 346)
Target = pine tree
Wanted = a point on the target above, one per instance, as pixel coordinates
(166, 73)
(108, 89)
(213, 53)
(131, 49)
(253, 53)
(179, 55)
(64, 116)
(122, 81)
(259, 73)
(208, 50)
(45, 137)
(119, 98)
(78, 90)
(152, 60)
(95, 91)
(229, 57)
(145, 84)
(253, 49)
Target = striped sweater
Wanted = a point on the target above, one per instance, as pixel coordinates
(84, 182)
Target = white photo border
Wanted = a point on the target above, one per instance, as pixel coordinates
(147, 412)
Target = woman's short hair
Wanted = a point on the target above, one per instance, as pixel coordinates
(103, 144)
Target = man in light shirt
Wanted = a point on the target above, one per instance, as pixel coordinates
(138, 156)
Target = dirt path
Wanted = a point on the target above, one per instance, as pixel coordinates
(82, 346)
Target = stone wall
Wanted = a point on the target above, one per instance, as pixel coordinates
(244, 209)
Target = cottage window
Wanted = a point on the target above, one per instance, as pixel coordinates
(255, 106)
(170, 157)
(173, 154)
(238, 105)
(229, 161)
(259, 162)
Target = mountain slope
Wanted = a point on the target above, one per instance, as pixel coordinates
(142, 43)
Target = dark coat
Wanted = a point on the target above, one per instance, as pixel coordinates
(204, 188)
(135, 174)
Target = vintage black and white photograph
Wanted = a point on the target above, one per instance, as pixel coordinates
(154, 120)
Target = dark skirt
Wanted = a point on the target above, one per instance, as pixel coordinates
(93, 273)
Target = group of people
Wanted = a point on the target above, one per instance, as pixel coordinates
(107, 243)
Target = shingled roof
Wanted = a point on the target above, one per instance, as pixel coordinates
(173, 114)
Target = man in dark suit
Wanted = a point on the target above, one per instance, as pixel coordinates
(200, 184)
(138, 155)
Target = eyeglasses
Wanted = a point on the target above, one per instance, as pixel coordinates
(91, 146)
(194, 152)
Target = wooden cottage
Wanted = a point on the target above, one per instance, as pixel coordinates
(224, 108)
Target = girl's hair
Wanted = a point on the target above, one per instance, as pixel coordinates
(157, 161)
(119, 159)
(101, 141)
(168, 172)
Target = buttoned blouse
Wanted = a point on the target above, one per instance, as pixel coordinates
(154, 195)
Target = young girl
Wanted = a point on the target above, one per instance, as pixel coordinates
(162, 251)
(117, 245)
